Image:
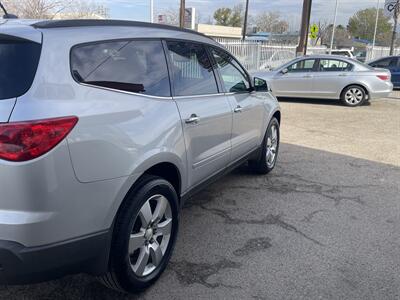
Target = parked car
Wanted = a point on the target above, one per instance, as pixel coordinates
(342, 52)
(107, 127)
(361, 55)
(392, 63)
(329, 77)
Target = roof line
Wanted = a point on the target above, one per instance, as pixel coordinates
(93, 22)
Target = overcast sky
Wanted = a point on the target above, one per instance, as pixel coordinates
(290, 9)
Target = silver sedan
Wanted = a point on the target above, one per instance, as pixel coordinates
(328, 77)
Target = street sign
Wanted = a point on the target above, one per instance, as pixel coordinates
(390, 7)
(314, 31)
(314, 28)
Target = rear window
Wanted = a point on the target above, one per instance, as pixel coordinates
(132, 66)
(18, 63)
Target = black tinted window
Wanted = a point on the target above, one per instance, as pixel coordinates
(383, 63)
(18, 64)
(233, 76)
(191, 69)
(133, 66)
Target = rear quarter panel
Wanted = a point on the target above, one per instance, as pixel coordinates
(366, 79)
(118, 134)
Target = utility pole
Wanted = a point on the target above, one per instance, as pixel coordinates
(396, 17)
(151, 11)
(246, 13)
(305, 24)
(334, 27)
(182, 14)
(376, 27)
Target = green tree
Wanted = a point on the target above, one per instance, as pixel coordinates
(222, 16)
(341, 39)
(229, 17)
(362, 25)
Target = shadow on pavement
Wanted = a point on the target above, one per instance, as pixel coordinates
(321, 225)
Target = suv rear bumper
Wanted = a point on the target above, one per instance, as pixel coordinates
(23, 265)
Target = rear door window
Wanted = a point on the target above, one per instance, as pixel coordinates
(383, 63)
(333, 65)
(18, 63)
(191, 69)
(130, 65)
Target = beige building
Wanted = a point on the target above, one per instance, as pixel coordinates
(217, 31)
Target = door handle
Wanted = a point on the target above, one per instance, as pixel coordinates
(343, 75)
(194, 119)
(307, 76)
(238, 109)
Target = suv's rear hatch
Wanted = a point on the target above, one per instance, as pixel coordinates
(20, 48)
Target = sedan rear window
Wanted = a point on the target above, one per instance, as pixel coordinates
(18, 63)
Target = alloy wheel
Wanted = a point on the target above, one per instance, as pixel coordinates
(354, 96)
(150, 235)
(272, 145)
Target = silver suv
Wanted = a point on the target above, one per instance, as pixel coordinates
(106, 127)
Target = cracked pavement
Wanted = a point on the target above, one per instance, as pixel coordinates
(325, 224)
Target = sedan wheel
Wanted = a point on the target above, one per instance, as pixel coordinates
(353, 96)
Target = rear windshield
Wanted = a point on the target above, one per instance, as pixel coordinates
(18, 64)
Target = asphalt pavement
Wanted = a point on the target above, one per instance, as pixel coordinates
(325, 224)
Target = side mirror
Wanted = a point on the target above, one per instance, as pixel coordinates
(284, 71)
(260, 85)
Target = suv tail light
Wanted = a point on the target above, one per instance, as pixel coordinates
(383, 77)
(22, 141)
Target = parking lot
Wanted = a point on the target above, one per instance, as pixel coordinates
(323, 225)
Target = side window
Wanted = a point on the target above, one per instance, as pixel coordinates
(383, 63)
(305, 65)
(233, 76)
(333, 65)
(191, 69)
(133, 66)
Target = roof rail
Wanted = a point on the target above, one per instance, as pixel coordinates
(89, 22)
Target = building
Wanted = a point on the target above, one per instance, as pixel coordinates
(217, 31)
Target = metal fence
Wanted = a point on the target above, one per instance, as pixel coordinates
(378, 52)
(256, 55)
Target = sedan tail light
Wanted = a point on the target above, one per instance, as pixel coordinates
(22, 141)
(383, 77)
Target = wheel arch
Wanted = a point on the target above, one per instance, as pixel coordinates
(361, 85)
(169, 172)
(165, 165)
(277, 115)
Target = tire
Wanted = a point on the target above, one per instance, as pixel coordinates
(354, 95)
(142, 244)
(270, 145)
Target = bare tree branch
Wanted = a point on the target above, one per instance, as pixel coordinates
(56, 9)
